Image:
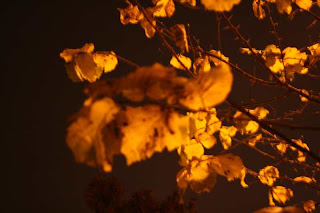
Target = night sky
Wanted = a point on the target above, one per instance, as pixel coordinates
(40, 173)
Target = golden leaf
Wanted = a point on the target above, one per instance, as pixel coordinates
(84, 135)
(277, 209)
(213, 122)
(294, 61)
(301, 155)
(314, 49)
(198, 175)
(302, 98)
(207, 89)
(304, 4)
(183, 59)
(258, 10)
(69, 54)
(148, 28)
(282, 147)
(130, 14)
(284, 6)
(309, 206)
(201, 64)
(179, 36)
(146, 131)
(106, 60)
(216, 60)
(272, 57)
(253, 141)
(163, 8)
(208, 141)
(247, 126)
(281, 194)
(86, 68)
(188, 2)
(227, 165)
(219, 5)
(191, 149)
(304, 179)
(225, 134)
(268, 175)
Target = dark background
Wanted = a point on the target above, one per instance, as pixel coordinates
(40, 174)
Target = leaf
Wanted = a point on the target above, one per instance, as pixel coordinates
(190, 150)
(227, 165)
(207, 89)
(268, 175)
(294, 61)
(281, 194)
(197, 175)
(84, 64)
(284, 6)
(258, 10)
(247, 126)
(85, 133)
(69, 54)
(301, 155)
(304, 179)
(183, 59)
(304, 4)
(188, 2)
(106, 60)
(272, 57)
(130, 14)
(208, 141)
(218, 55)
(179, 37)
(219, 5)
(225, 134)
(201, 64)
(277, 209)
(309, 206)
(282, 147)
(148, 27)
(146, 131)
(163, 8)
(252, 142)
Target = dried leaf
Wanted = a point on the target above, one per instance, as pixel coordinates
(106, 60)
(183, 59)
(130, 14)
(281, 194)
(188, 2)
(309, 206)
(304, 4)
(219, 5)
(258, 10)
(268, 175)
(253, 141)
(277, 209)
(225, 134)
(179, 36)
(304, 179)
(284, 6)
(163, 8)
(207, 89)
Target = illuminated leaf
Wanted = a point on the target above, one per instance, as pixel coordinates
(284, 6)
(216, 60)
(197, 175)
(183, 59)
(130, 14)
(106, 60)
(294, 61)
(69, 54)
(242, 177)
(219, 5)
(272, 57)
(281, 194)
(309, 206)
(228, 165)
(163, 8)
(188, 2)
(179, 36)
(84, 135)
(282, 147)
(268, 175)
(247, 126)
(201, 64)
(207, 89)
(314, 49)
(225, 134)
(304, 179)
(258, 10)
(213, 122)
(253, 141)
(148, 27)
(301, 155)
(145, 131)
(153, 82)
(277, 209)
(86, 68)
(191, 149)
(208, 141)
(302, 98)
(304, 4)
